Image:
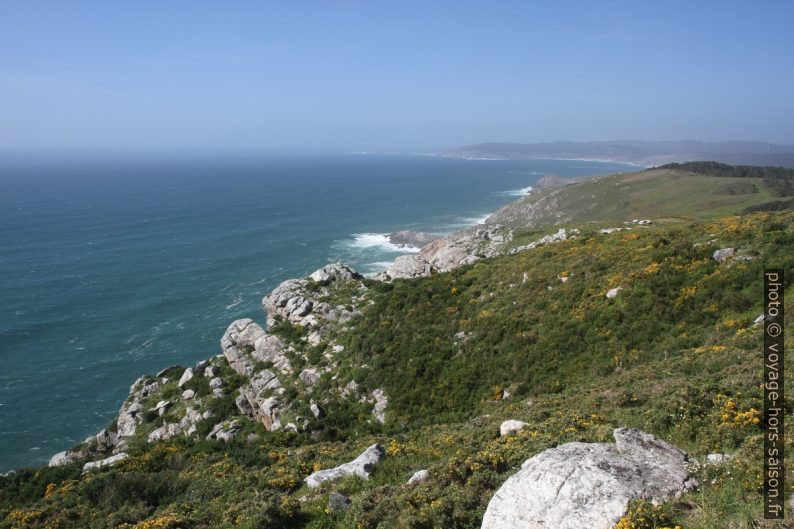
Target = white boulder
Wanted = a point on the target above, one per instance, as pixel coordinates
(589, 485)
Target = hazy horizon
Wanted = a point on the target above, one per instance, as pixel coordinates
(354, 76)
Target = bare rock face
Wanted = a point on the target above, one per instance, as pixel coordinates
(131, 412)
(408, 266)
(589, 485)
(293, 301)
(238, 342)
(723, 254)
(454, 250)
(102, 463)
(362, 466)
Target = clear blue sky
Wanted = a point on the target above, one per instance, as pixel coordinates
(403, 75)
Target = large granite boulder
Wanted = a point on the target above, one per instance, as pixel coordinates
(589, 485)
(362, 466)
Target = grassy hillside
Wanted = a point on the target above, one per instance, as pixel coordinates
(674, 353)
(672, 193)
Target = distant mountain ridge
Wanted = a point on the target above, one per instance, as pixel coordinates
(648, 153)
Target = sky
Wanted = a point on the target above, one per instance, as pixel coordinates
(368, 75)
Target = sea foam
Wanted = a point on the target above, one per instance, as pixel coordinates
(380, 241)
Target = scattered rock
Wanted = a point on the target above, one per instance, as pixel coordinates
(723, 254)
(717, 458)
(361, 466)
(102, 463)
(187, 376)
(164, 432)
(381, 402)
(224, 431)
(589, 485)
(161, 407)
(216, 382)
(317, 411)
(188, 394)
(511, 426)
(338, 502)
(613, 292)
(418, 477)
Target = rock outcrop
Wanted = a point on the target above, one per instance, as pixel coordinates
(102, 463)
(294, 300)
(589, 485)
(362, 466)
(454, 250)
(415, 239)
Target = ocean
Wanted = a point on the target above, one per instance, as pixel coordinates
(115, 266)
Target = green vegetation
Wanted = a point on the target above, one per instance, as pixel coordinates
(779, 179)
(672, 193)
(675, 353)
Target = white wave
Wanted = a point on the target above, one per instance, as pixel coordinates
(524, 191)
(477, 220)
(380, 241)
(237, 301)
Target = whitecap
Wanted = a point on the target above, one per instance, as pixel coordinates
(237, 301)
(524, 191)
(380, 241)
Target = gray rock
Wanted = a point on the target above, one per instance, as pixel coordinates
(379, 407)
(409, 266)
(64, 458)
(309, 376)
(237, 342)
(211, 372)
(106, 441)
(723, 254)
(161, 407)
(589, 485)
(216, 382)
(164, 432)
(362, 466)
(188, 394)
(717, 458)
(418, 477)
(511, 426)
(338, 502)
(271, 349)
(102, 463)
(187, 376)
(335, 272)
(317, 411)
(414, 239)
(224, 431)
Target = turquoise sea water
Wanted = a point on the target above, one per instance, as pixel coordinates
(116, 266)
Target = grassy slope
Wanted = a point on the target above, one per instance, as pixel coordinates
(674, 354)
(661, 194)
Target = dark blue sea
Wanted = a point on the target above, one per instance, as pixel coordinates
(114, 266)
